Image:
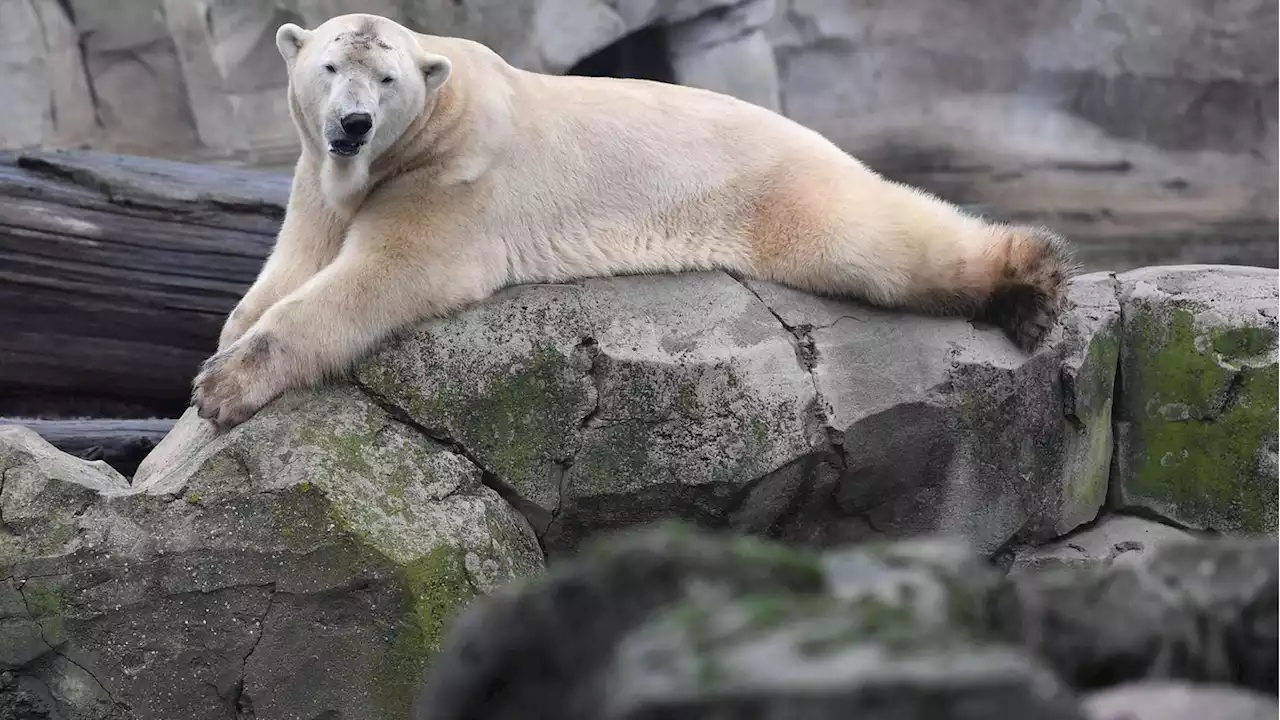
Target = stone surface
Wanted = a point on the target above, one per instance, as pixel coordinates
(940, 425)
(612, 402)
(809, 666)
(329, 545)
(44, 78)
(673, 622)
(1197, 425)
(1179, 701)
(133, 71)
(1113, 539)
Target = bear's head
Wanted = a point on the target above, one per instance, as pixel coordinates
(358, 82)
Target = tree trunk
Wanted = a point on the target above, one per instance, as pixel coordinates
(116, 274)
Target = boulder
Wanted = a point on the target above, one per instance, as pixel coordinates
(612, 402)
(1196, 420)
(1179, 701)
(1199, 611)
(330, 546)
(669, 621)
(939, 425)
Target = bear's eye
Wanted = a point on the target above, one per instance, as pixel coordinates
(330, 69)
(388, 80)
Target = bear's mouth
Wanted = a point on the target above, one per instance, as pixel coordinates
(343, 147)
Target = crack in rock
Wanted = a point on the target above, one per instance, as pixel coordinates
(536, 516)
(26, 604)
(1231, 396)
(589, 347)
(240, 704)
(807, 356)
(4, 527)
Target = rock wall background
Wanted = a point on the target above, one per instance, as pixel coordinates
(1144, 128)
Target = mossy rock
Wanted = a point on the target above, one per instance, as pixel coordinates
(609, 402)
(671, 621)
(321, 539)
(1197, 421)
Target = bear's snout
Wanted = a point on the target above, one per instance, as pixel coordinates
(357, 125)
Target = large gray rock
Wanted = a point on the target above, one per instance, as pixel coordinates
(938, 425)
(132, 67)
(1197, 421)
(299, 567)
(611, 402)
(43, 83)
(671, 622)
(1203, 611)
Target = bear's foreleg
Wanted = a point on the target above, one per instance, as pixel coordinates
(309, 239)
(329, 322)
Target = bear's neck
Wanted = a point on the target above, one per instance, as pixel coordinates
(438, 143)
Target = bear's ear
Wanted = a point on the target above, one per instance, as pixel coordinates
(289, 40)
(436, 70)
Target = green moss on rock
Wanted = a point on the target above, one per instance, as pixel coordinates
(526, 417)
(436, 586)
(1201, 407)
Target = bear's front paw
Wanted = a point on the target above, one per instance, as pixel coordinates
(231, 386)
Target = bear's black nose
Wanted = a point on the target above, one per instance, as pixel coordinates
(357, 124)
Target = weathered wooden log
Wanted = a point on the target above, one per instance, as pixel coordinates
(116, 274)
(121, 443)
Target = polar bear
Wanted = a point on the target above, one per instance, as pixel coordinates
(433, 173)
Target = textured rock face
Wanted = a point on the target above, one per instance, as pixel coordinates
(1144, 129)
(669, 621)
(938, 425)
(330, 546)
(612, 402)
(44, 79)
(1197, 425)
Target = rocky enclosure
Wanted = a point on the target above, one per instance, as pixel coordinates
(335, 534)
